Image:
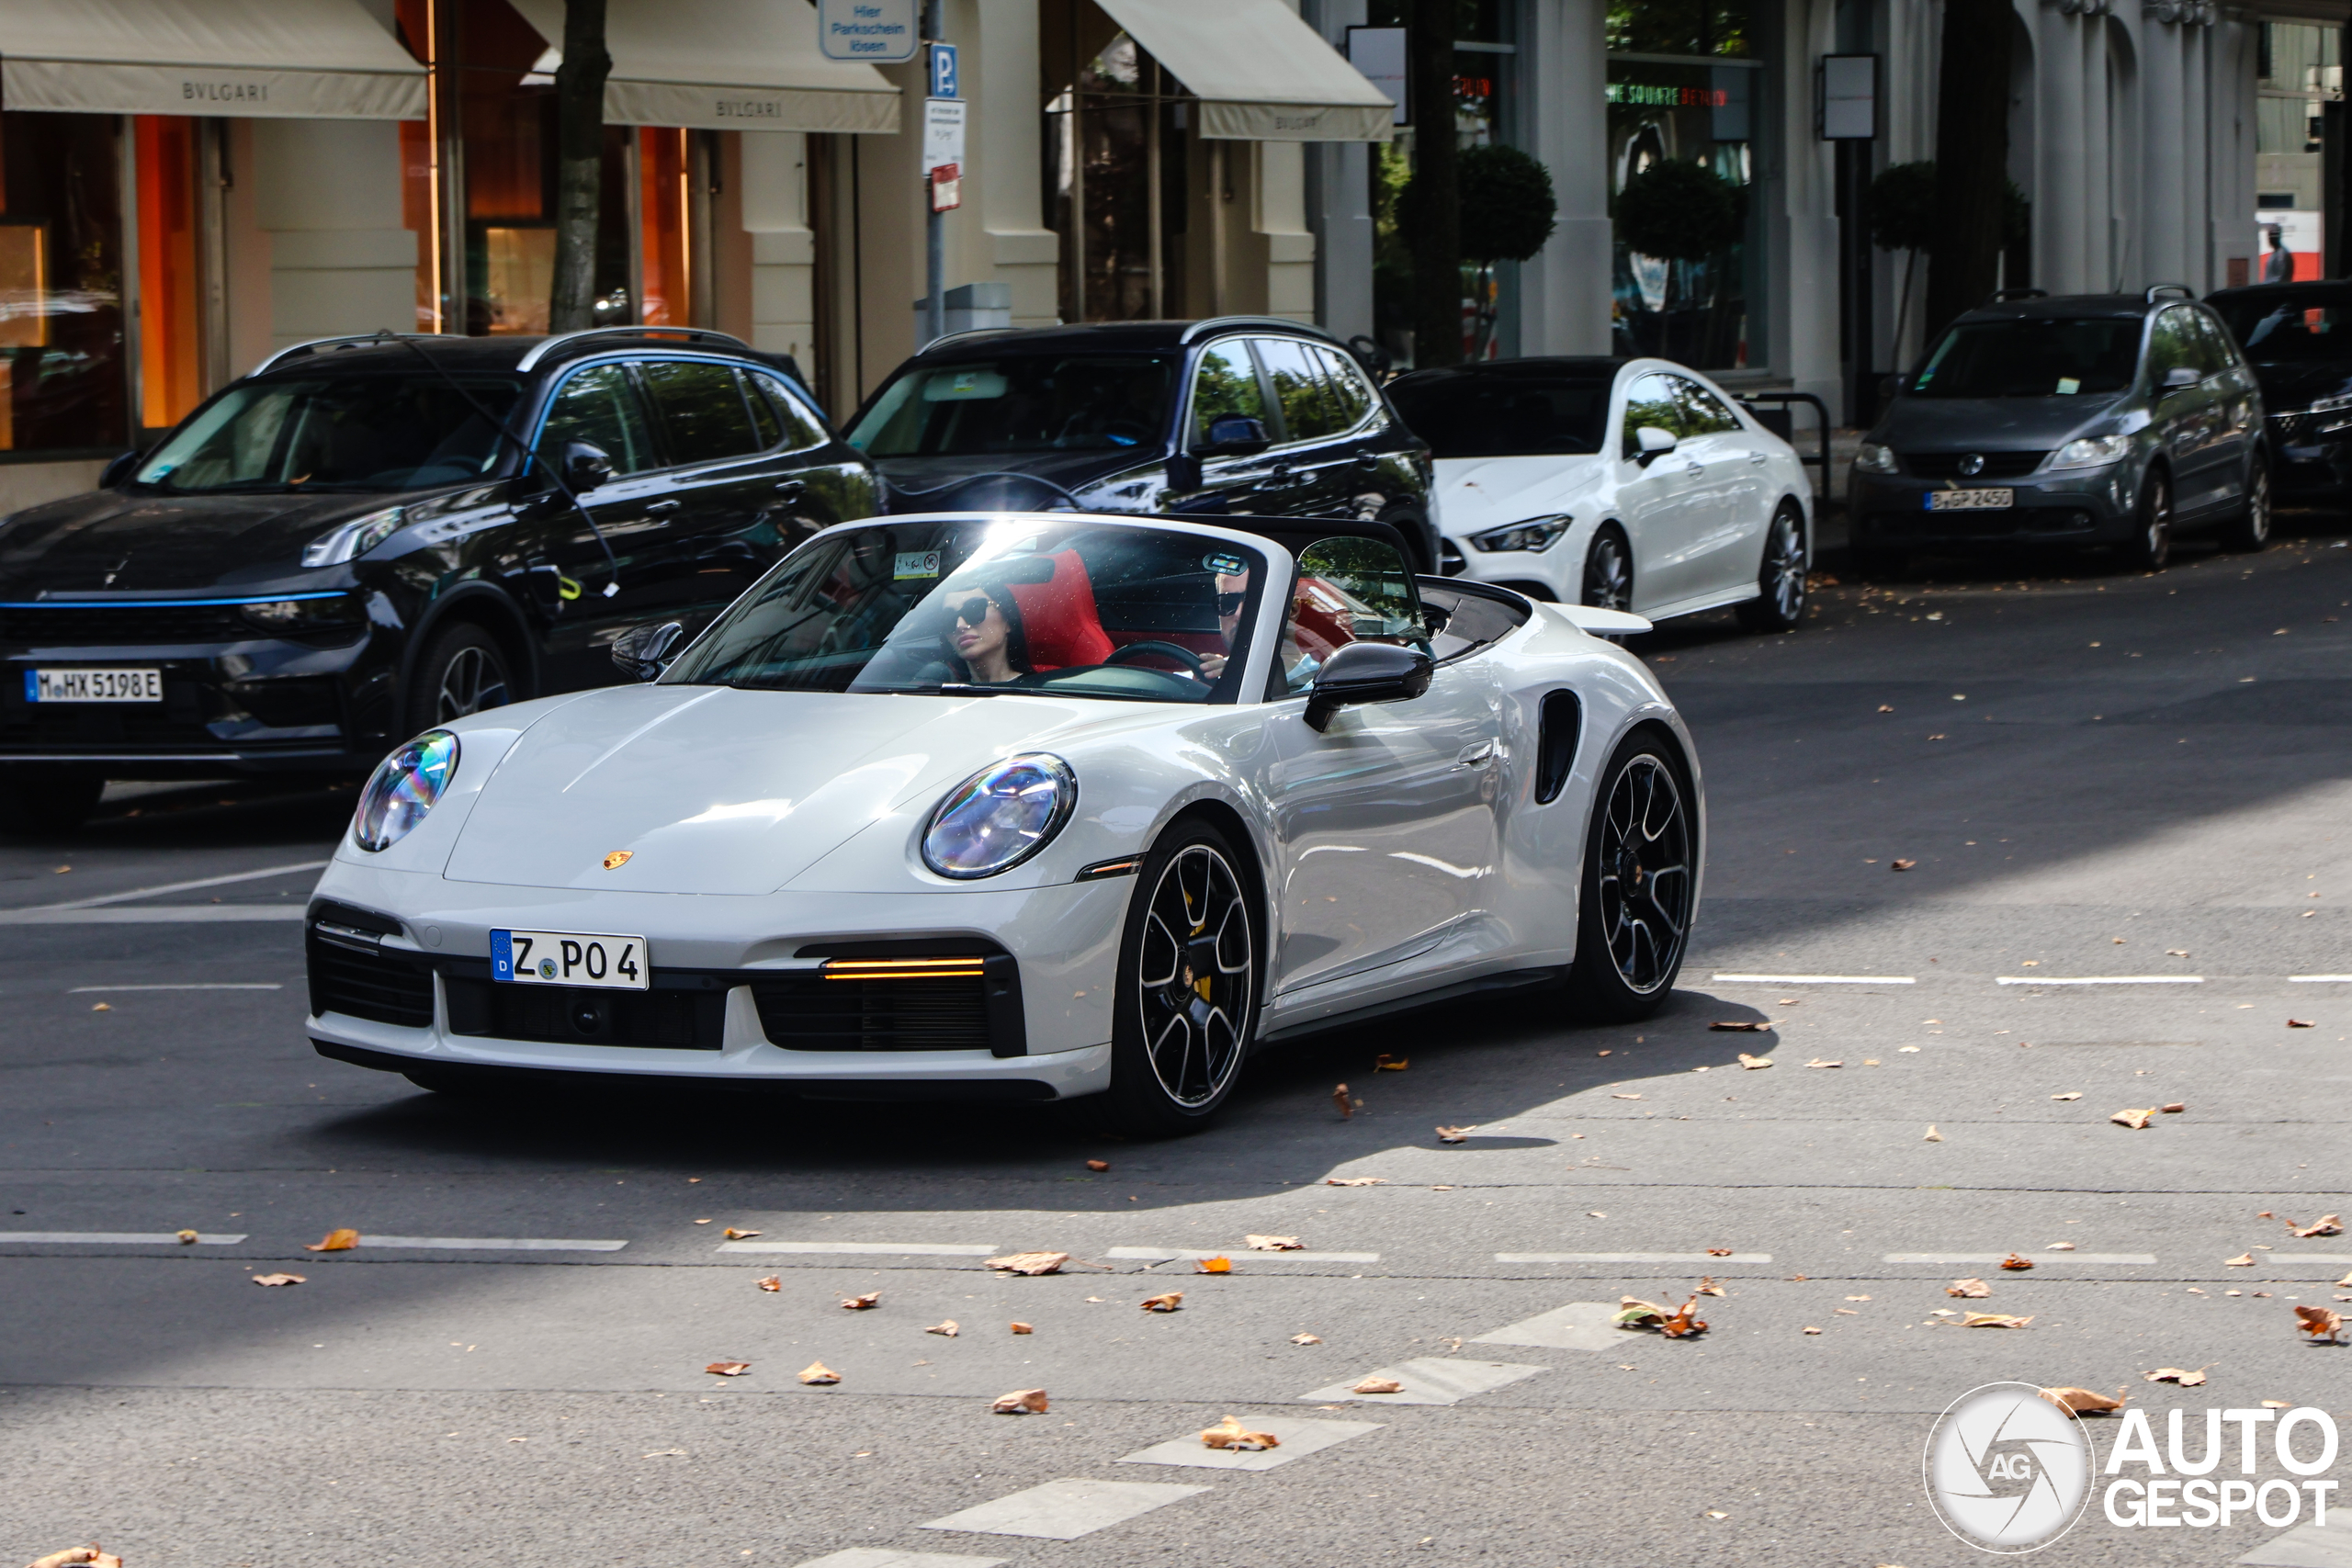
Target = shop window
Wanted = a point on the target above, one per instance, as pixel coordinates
(170, 365)
(666, 242)
(63, 383)
(1118, 144)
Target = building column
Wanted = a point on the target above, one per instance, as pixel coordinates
(1565, 289)
(1339, 201)
(327, 193)
(1278, 224)
(1798, 186)
(774, 188)
(1006, 142)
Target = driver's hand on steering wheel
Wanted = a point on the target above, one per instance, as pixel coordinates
(1211, 666)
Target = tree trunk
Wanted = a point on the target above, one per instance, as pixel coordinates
(1434, 212)
(579, 163)
(1971, 158)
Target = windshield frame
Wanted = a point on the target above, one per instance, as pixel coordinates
(1259, 631)
(475, 382)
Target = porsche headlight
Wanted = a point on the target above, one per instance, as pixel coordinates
(999, 816)
(347, 541)
(1535, 534)
(2092, 452)
(403, 789)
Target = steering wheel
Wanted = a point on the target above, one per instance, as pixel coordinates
(1186, 656)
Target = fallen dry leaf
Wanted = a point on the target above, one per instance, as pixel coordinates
(2243, 1260)
(1625, 1097)
(1172, 1302)
(1994, 1320)
(1707, 1287)
(1970, 1288)
(1378, 1385)
(1384, 1063)
(1754, 1063)
(2070, 1094)
(1346, 1103)
(89, 1554)
(102, 1006)
(187, 1239)
(2326, 1225)
(1885, 707)
(1857, 1298)
(2081, 1402)
(862, 1303)
(2277, 1404)
(2135, 1119)
(1021, 1402)
(278, 1278)
(2186, 1376)
(1818, 1061)
(818, 1374)
(1684, 1322)
(774, 1282)
(1212, 1265)
(1933, 1136)
(1740, 1026)
(1634, 1313)
(1030, 1262)
(2345, 1283)
(946, 1325)
(1307, 1339)
(2300, 1023)
(2060, 1246)
(2016, 1264)
(1098, 1165)
(736, 1368)
(1455, 1135)
(1845, 1312)
(1231, 1433)
(1355, 1181)
(2175, 1109)
(1943, 1312)
(2319, 1321)
(1022, 1328)
(1719, 1252)
(733, 1234)
(333, 1241)
(1809, 1328)
(1902, 866)
(1274, 1244)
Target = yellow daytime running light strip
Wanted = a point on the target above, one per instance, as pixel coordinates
(903, 968)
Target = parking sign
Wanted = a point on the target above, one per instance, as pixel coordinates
(942, 71)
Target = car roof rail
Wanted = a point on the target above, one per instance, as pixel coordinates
(2178, 290)
(2002, 296)
(967, 332)
(1278, 324)
(691, 336)
(351, 340)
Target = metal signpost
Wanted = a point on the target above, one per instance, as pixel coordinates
(943, 167)
(1848, 114)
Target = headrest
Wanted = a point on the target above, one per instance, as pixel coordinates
(1058, 619)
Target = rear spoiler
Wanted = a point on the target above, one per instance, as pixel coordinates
(1603, 623)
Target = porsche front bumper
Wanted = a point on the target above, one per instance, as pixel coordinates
(739, 991)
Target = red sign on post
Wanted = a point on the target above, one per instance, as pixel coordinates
(946, 187)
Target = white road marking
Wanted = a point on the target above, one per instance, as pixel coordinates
(149, 914)
(1630, 1258)
(2305, 1546)
(1299, 1438)
(897, 1249)
(1065, 1510)
(2318, 979)
(2330, 1258)
(2100, 980)
(1815, 980)
(1238, 1253)
(490, 1243)
(1430, 1380)
(116, 1238)
(2041, 1259)
(159, 891)
(876, 1557)
(199, 986)
(1580, 1325)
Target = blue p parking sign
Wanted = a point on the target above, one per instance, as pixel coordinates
(942, 70)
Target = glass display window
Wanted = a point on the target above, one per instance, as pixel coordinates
(64, 387)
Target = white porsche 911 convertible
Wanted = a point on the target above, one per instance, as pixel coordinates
(1022, 806)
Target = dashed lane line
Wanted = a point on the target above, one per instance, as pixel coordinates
(490, 1243)
(876, 1557)
(149, 914)
(193, 986)
(1065, 1510)
(2318, 979)
(158, 891)
(2100, 980)
(1815, 980)
(1298, 1438)
(1243, 1255)
(1632, 1257)
(114, 1238)
(2039, 1258)
(1580, 1325)
(2305, 1546)
(1428, 1380)
(885, 1248)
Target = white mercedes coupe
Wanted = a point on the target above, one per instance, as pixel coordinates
(1628, 484)
(1020, 807)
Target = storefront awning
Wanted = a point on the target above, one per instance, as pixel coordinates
(725, 65)
(1260, 73)
(284, 59)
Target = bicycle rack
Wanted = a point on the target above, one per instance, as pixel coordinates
(1782, 422)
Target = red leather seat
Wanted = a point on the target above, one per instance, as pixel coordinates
(1058, 619)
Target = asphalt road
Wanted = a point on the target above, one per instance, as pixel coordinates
(2102, 778)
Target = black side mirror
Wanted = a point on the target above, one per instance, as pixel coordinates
(118, 471)
(1183, 473)
(1366, 673)
(1235, 436)
(643, 653)
(585, 466)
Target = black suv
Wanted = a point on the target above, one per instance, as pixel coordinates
(2094, 419)
(1241, 414)
(2299, 338)
(368, 536)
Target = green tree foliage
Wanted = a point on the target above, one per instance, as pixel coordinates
(1508, 208)
(1678, 211)
(1904, 215)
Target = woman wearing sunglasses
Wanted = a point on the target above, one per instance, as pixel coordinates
(987, 634)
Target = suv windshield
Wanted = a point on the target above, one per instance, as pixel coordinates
(975, 606)
(1021, 404)
(1495, 416)
(345, 433)
(2032, 359)
(2312, 323)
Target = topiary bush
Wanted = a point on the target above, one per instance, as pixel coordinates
(1678, 211)
(1508, 208)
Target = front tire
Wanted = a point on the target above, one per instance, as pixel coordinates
(1607, 572)
(1778, 604)
(33, 803)
(462, 670)
(1634, 914)
(2150, 546)
(2250, 529)
(1186, 1009)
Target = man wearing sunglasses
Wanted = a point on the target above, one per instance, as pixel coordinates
(1232, 593)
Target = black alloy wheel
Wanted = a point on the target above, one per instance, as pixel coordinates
(1633, 917)
(1778, 604)
(463, 671)
(2149, 549)
(1607, 572)
(1186, 1006)
(2250, 529)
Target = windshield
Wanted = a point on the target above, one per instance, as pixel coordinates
(1492, 416)
(2032, 359)
(344, 433)
(1021, 404)
(980, 605)
(2307, 324)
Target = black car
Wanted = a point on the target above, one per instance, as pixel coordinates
(365, 538)
(2298, 338)
(1241, 414)
(2095, 418)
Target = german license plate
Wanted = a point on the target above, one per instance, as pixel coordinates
(1970, 499)
(569, 958)
(94, 685)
